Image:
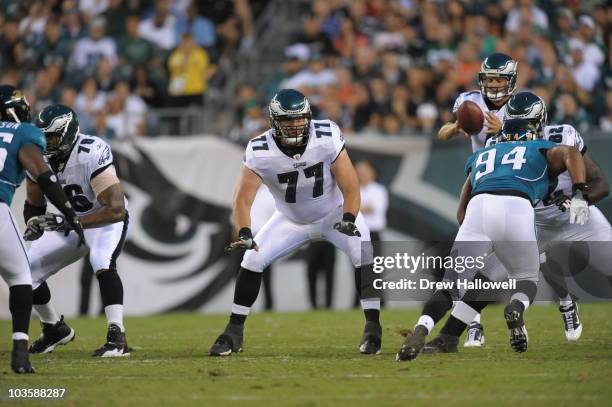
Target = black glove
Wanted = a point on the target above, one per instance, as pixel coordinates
(75, 224)
(245, 241)
(347, 225)
(561, 200)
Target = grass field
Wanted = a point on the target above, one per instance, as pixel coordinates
(311, 359)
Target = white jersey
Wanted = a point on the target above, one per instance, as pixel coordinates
(303, 186)
(562, 134)
(90, 156)
(478, 140)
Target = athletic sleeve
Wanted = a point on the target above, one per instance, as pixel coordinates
(101, 157)
(30, 134)
(468, 164)
(458, 102)
(337, 141)
(574, 138)
(249, 158)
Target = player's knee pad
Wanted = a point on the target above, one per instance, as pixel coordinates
(41, 295)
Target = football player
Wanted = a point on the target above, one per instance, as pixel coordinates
(84, 165)
(304, 164)
(505, 181)
(497, 81)
(21, 148)
(553, 222)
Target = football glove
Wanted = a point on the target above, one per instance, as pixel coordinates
(579, 207)
(34, 230)
(561, 200)
(52, 222)
(245, 241)
(347, 225)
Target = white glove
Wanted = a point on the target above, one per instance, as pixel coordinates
(579, 209)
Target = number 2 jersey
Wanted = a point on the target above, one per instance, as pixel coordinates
(90, 156)
(511, 168)
(303, 186)
(478, 140)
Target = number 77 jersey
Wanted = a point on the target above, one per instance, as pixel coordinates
(511, 168)
(303, 186)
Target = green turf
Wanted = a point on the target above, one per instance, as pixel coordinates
(311, 359)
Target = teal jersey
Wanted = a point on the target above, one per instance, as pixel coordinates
(512, 168)
(13, 136)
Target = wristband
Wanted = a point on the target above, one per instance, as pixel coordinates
(245, 233)
(348, 217)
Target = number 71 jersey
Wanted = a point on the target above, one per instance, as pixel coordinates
(303, 186)
(90, 156)
(512, 168)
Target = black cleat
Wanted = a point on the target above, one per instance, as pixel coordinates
(20, 359)
(513, 313)
(413, 344)
(230, 341)
(371, 340)
(115, 346)
(442, 344)
(52, 335)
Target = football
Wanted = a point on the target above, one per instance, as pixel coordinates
(470, 117)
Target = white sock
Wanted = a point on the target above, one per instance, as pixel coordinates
(240, 309)
(566, 301)
(427, 322)
(47, 313)
(20, 336)
(114, 315)
(522, 298)
(370, 303)
(476, 319)
(465, 313)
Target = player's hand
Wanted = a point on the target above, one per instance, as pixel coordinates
(579, 209)
(245, 241)
(34, 230)
(562, 201)
(492, 123)
(75, 224)
(347, 225)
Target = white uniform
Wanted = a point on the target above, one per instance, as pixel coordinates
(14, 268)
(308, 200)
(54, 251)
(478, 140)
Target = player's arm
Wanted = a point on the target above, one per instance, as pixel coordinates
(35, 203)
(449, 130)
(464, 198)
(31, 158)
(596, 180)
(109, 194)
(562, 158)
(347, 180)
(244, 196)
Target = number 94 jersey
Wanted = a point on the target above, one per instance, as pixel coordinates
(90, 156)
(303, 186)
(511, 168)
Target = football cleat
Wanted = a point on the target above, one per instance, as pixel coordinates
(571, 320)
(413, 344)
(20, 359)
(230, 341)
(442, 344)
(115, 346)
(475, 336)
(371, 340)
(513, 313)
(52, 335)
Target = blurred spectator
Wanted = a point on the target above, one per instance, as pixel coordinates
(134, 50)
(568, 112)
(526, 14)
(93, 8)
(202, 28)
(189, 69)
(90, 50)
(116, 14)
(606, 120)
(53, 48)
(146, 88)
(586, 32)
(585, 73)
(127, 116)
(160, 29)
(90, 100)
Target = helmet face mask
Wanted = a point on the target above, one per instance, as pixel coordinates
(290, 115)
(518, 130)
(497, 77)
(61, 128)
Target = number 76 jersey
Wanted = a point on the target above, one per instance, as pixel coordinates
(90, 156)
(511, 168)
(303, 186)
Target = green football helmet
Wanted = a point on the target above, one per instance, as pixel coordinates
(60, 125)
(528, 106)
(287, 107)
(14, 106)
(498, 65)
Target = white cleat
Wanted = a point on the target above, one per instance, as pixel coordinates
(571, 321)
(475, 336)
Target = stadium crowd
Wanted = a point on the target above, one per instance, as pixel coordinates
(397, 66)
(115, 60)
